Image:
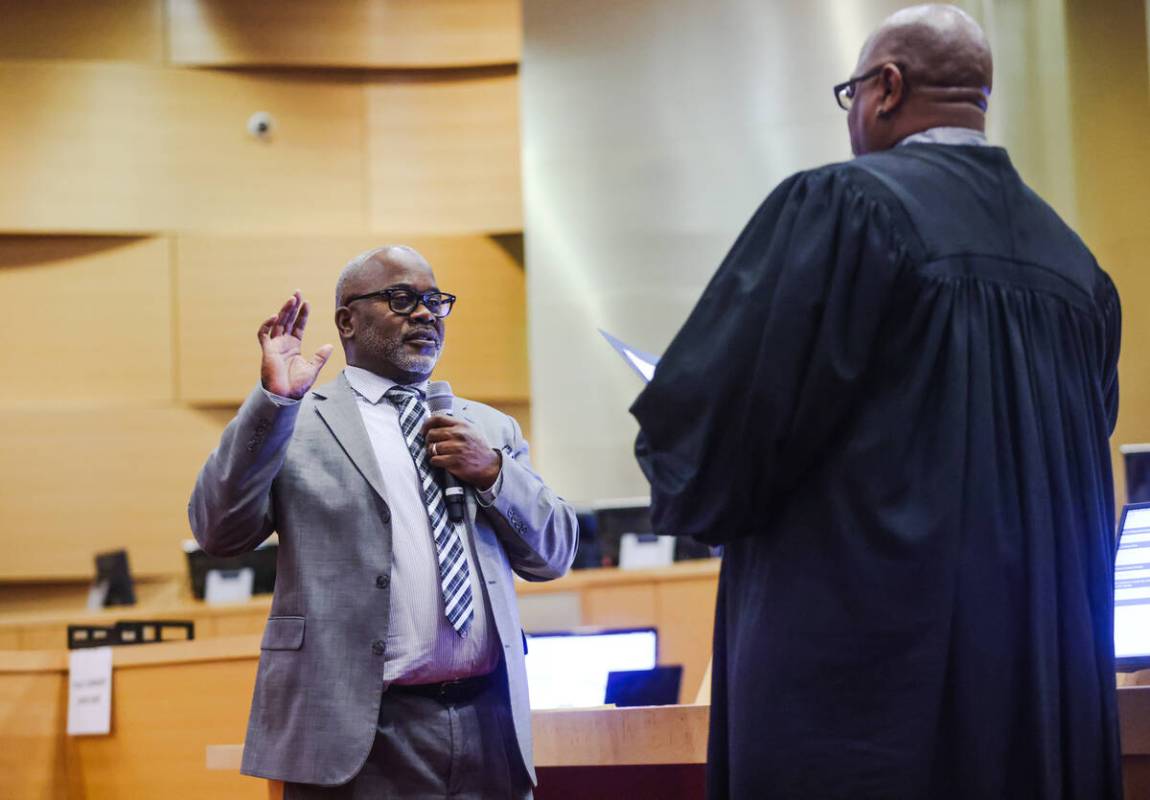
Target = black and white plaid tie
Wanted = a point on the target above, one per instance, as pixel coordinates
(454, 574)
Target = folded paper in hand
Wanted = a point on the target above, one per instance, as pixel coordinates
(641, 362)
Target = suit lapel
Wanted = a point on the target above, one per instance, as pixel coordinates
(335, 405)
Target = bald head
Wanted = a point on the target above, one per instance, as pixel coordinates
(941, 46)
(403, 346)
(936, 71)
(364, 268)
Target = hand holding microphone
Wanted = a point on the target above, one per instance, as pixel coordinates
(456, 446)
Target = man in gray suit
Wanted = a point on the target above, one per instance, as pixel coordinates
(392, 662)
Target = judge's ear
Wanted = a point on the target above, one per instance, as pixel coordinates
(893, 90)
(343, 322)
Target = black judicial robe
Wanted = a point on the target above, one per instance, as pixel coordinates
(892, 406)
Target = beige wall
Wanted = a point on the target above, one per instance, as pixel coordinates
(144, 233)
(1110, 93)
(648, 145)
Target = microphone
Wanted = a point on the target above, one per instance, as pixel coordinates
(440, 400)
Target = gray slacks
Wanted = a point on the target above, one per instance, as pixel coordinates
(425, 748)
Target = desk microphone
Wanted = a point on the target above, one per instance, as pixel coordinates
(440, 400)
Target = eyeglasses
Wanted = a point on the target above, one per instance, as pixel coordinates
(405, 301)
(845, 91)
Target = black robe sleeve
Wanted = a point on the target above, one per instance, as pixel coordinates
(1112, 338)
(755, 384)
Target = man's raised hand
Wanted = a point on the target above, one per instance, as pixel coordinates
(284, 371)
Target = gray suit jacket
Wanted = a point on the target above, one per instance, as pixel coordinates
(308, 472)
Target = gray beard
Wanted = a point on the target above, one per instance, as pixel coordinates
(394, 352)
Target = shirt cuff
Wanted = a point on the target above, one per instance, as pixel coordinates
(488, 496)
(281, 401)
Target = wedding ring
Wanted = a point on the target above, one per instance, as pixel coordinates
(434, 452)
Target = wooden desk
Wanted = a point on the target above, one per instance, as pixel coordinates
(48, 630)
(662, 752)
(678, 600)
(596, 752)
(169, 702)
(173, 700)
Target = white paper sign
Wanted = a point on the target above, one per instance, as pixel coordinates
(90, 691)
(225, 586)
(644, 551)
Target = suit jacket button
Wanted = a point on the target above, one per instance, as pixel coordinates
(377, 647)
(380, 581)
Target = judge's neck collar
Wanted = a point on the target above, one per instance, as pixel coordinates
(947, 135)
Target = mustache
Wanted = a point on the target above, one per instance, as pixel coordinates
(423, 332)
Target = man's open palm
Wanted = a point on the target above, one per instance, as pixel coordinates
(284, 370)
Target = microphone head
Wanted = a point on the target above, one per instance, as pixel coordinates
(440, 400)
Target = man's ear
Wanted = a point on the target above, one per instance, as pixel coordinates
(893, 90)
(343, 322)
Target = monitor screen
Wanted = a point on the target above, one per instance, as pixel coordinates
(613, 518)
(569, 670)
(1132, 588)
(1137, 459)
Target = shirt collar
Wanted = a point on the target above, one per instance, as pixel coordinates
(947, 135)
(372, 387)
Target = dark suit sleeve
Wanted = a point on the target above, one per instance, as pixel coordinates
(231, 510)
(753, 387)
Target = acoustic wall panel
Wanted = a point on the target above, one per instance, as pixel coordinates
(124, 30)
(83, 480)
(85, 320)
(444, 152)
(124, 148)
(353, 33)
(227, 286)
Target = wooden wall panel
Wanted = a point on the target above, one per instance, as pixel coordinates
(125, 30)
(687, 609)
(107, 148)
(163, 718)
(1112, 174)
(352, 33)
(444, 153)
(227, 286)
(33, 748)
(76, 482)
(485, 353)
(625, 606)
(85, 319)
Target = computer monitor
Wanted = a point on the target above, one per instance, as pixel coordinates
(1136, 458)
(262, 561)
(569, 669)
(645, 687)
(613, 518)
(1132, 589)
(114, 579)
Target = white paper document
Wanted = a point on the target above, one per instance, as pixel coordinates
(90, 691)
(643, 363)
